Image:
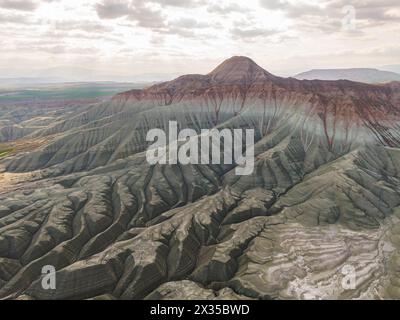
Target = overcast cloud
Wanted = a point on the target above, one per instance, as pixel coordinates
(130, 37)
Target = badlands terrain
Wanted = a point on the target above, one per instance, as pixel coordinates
(77, 193)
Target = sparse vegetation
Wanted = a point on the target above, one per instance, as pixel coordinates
(4, 153)
(66, 91)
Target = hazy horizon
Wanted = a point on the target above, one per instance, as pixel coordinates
(122, 39)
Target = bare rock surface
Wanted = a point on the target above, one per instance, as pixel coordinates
(324, 195)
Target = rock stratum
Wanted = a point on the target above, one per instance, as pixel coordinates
(324, 195)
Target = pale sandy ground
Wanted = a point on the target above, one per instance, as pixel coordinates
(11, 181)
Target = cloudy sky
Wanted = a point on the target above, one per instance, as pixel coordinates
(126, 37)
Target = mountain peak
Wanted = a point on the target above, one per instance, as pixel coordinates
(239, 69)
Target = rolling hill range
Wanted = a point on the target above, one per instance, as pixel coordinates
(357, 74)
(324, 195)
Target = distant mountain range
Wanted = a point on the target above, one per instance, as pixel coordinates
(63, 74)
(366, 75)
(77, 74)
(392, 68)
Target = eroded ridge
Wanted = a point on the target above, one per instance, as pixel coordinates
(324, 194)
